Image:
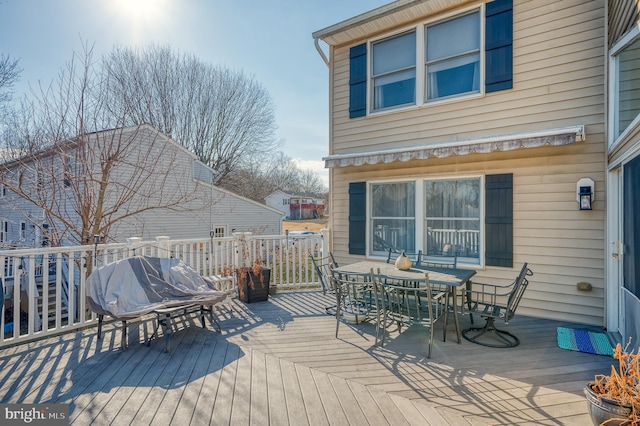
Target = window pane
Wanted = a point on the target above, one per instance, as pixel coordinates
(453, 57)
(453, 77)
(393, 233)
(631, 227)
(394, 54)
(394, 72)
(453, 37)
(453, 219)
(395, 89)
(628, 85)
(392, 217)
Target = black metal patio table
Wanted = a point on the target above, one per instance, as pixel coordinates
(452, 278)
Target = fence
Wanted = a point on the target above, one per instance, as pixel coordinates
(45, 288)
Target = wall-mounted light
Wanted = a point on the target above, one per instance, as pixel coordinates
(585, 193)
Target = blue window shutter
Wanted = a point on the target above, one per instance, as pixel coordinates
(358, 81)
(357, 217)
(499, 220)
(499, 45)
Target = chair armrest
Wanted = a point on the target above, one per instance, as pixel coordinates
(494, 289)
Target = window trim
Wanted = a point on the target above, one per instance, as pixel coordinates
(420, 212)
(216, 228)
(419, 28)
(629, 38)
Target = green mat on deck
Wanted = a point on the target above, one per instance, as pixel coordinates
(584, 340)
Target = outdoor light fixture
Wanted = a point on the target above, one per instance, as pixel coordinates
(585, 193)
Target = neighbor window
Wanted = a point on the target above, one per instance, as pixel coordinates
(393, 219)
(23, 230)
(452, 219)
(394, 71)
(4, 231)
(219, 231)
(452, 52)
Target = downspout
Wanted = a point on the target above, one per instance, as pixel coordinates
(320, 51)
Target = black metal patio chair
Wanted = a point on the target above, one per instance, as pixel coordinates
(496, 302)
(407, 305)
(354, 297)
(322, 266)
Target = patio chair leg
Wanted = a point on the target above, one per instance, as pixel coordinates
(508, 339)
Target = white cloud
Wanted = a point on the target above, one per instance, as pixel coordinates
(315, 165)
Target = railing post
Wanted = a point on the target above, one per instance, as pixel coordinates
(163, 246)
(239, 249)
(324, 245)
(134, 242)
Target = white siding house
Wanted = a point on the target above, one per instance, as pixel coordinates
(279, 200)
(156, 188)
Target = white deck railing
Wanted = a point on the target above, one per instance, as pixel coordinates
(33, 310)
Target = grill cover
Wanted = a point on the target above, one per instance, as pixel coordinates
(136, 286)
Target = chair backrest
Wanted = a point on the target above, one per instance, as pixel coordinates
(377, 284)
(520, 285)
(323, 266)
(351, 291)
(441, 261)
(416, 258)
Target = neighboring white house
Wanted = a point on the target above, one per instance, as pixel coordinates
(161, 173)
(296, 207)
(279, 200)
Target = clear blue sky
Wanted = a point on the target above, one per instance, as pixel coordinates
(269, 40)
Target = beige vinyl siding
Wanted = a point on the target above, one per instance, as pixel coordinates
(567, 83)
(563, 245)
(558, 81)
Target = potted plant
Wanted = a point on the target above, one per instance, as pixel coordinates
(614, 399)
(253, 282)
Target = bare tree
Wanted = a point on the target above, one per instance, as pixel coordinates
(222, 116)
(9, 73)
(73, 181)
(276, 172)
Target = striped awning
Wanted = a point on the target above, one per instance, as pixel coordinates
(553, 137)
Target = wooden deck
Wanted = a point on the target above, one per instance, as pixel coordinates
(278, 363)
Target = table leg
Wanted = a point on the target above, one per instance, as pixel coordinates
(454, 290)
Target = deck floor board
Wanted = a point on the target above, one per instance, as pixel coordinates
(279, 363)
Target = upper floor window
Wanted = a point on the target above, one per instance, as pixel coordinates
(467, 54)
(394, 71)
(452, 52)
(627, 86)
